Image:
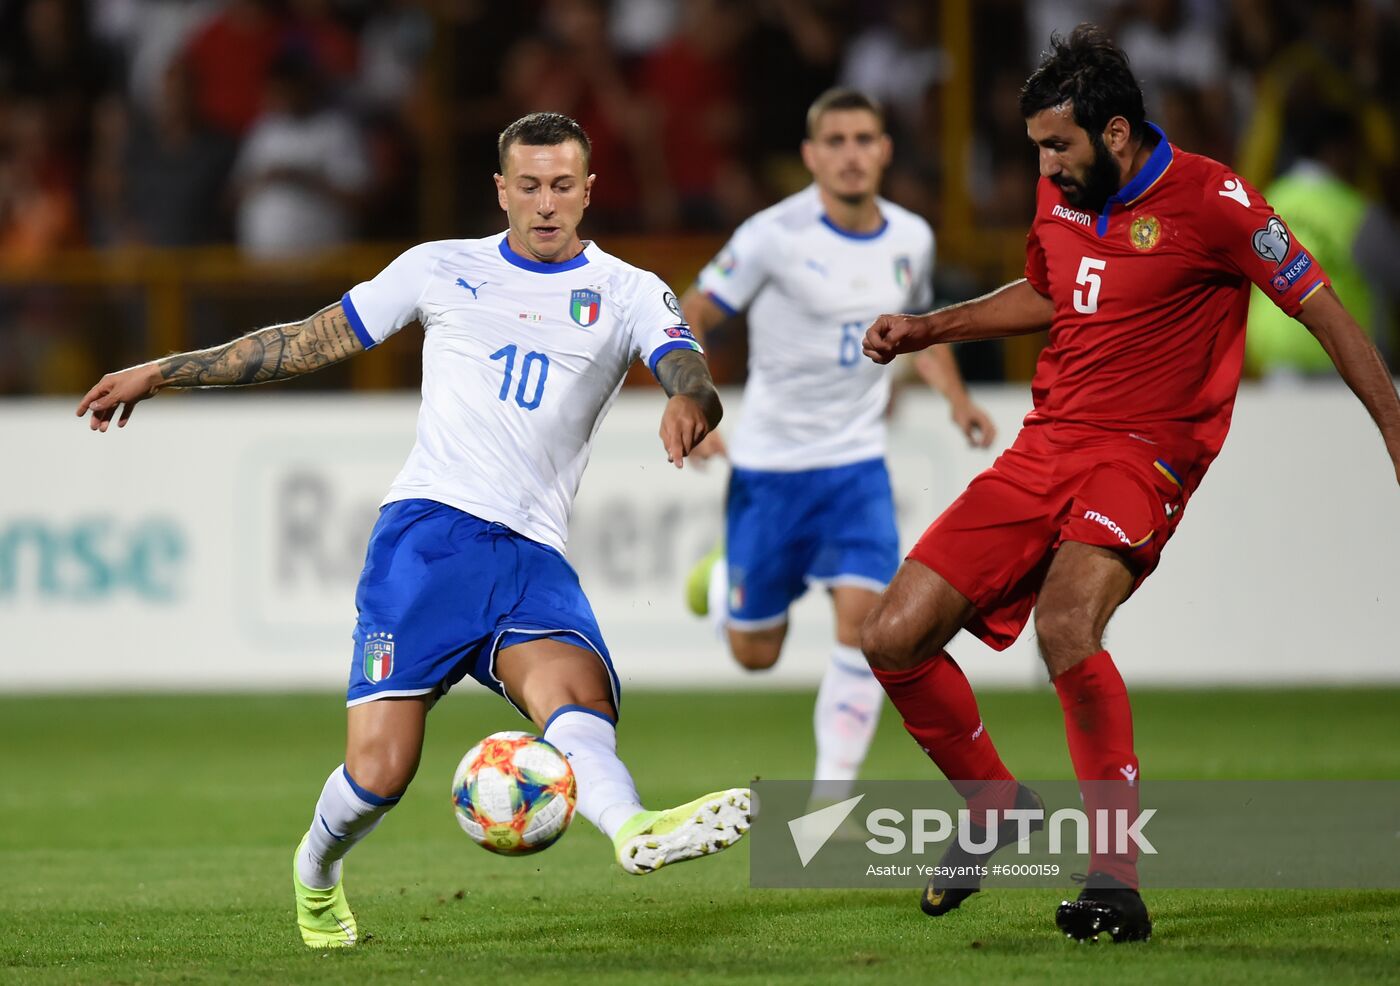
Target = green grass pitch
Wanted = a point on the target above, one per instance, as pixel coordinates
(149, 839)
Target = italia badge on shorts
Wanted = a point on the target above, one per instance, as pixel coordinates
(379, 656)
(584, 306)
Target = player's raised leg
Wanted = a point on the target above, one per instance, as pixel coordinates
(755, 643)
(757, 649)
(1083, 588)
(707, 586)
(848, 701)
(568, 691)
(903, 640)
(384, 740)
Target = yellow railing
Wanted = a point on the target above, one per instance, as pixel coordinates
(169, 283)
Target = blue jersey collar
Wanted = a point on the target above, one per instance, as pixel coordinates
(525, 263)
(1157, 164)
(852, 234)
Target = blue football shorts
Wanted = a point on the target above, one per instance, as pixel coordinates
(788, 530)
(443, 592)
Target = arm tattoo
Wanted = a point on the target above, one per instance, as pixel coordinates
(684, 372)
(274, 353)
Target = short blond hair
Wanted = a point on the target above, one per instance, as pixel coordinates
(842, 98)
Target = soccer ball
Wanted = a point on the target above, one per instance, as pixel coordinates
(514, 793)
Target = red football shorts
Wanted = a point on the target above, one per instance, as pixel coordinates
(995, 543)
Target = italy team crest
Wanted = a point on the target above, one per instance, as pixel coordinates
(903, 271)
(379, 656)
(584, 306)
(1145, 232)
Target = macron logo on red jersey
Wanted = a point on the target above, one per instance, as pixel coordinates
(1234, 189)
(1073, 215)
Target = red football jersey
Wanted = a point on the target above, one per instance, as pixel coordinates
(1150, 300)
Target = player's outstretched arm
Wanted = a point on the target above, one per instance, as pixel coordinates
(693, 409)
(704, 316)
(1358, 362)
(1012, 310)
(274, 353)
(939, 369)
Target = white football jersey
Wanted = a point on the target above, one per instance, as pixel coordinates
(813, 400)
(521, 360)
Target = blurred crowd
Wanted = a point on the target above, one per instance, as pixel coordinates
(291, 126)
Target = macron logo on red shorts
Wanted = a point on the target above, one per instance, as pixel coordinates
(1099, 518)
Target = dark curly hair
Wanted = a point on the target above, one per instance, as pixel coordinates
(543, 130)
(1090, 72)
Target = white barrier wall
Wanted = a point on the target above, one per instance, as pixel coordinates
(215, 542)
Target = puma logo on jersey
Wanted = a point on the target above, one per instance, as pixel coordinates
(1234, 189)
(463, 283)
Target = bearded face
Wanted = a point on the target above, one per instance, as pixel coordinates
(1089, 188)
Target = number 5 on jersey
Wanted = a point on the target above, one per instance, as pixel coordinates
(1086, 295)
(527, 376)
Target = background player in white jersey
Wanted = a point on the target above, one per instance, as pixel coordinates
(809, 497)
(527, 337)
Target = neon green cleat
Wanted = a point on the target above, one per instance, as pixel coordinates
(324, 916)
(697, 583)
(651, 839)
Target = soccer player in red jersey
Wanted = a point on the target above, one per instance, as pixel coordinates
(1140, 260)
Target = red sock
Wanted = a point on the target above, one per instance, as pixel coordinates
(1099, 727)
(940, 712)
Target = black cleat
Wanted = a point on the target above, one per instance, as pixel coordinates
(945, 891)
(1105, 906)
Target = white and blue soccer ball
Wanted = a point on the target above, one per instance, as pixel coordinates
(514, 793)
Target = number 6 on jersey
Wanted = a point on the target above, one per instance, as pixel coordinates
(1086, 296)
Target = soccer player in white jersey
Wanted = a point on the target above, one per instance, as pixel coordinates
(527, 337)
(809, 496)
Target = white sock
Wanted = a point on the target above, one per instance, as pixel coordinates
(719, 596)
(345, 814)
(607, 797)
(847, 712)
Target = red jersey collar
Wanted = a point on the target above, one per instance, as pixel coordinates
(1151, 173)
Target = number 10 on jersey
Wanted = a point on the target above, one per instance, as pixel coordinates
(531, 381)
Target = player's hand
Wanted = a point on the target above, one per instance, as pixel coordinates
(890, 335)
(683, 427)
(975, 423)
(712, 446)
(120, 391)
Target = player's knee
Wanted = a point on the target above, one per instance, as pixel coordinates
(1064, 633)
(385, 772)
(754, 652)
(887, 641)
